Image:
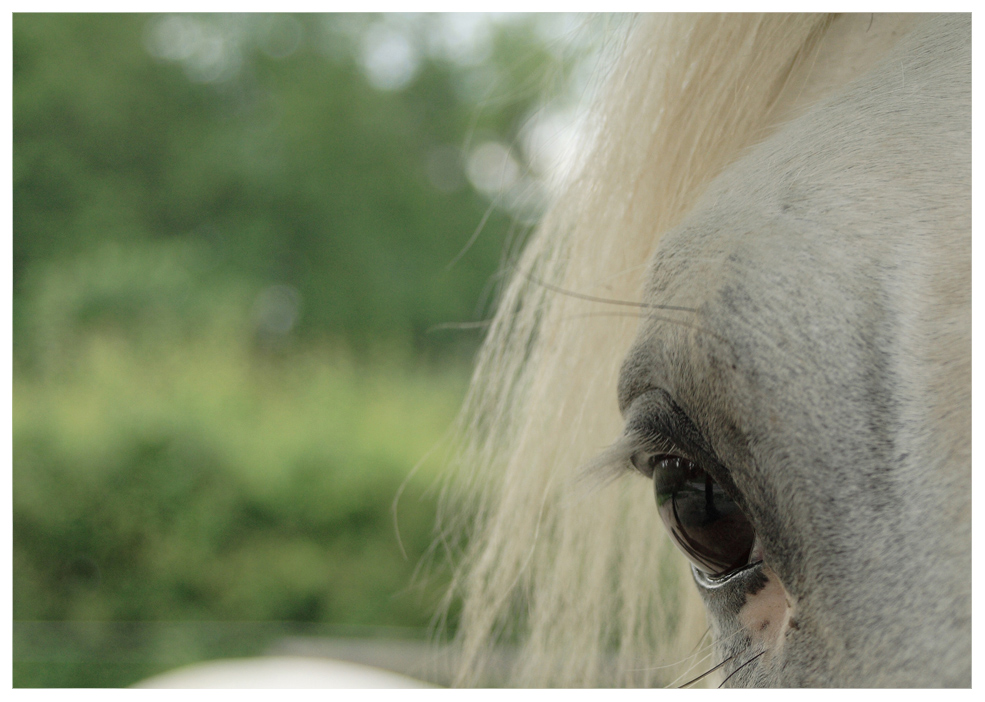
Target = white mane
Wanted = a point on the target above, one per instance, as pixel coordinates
(586, 584)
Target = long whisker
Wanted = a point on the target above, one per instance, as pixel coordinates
(486, 323)
(703, 658)
(609, 301)
(742, 666)
(675, 663)
(475, 234)
(593, 298)
(701, 640)
(706, 673)
(698, 646)
(696, 651)
(672, 665)
(701, 662)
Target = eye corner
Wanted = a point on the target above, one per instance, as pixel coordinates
(640, 462)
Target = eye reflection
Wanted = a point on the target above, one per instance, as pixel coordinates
(703, 520)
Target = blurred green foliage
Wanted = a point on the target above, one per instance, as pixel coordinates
(227, 258)
(199, 483)
(125, 465)
(294, 171)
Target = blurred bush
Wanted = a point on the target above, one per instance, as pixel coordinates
(266, 144)
(234, 237)
(194, 482)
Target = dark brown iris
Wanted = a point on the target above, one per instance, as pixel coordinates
(703, 520)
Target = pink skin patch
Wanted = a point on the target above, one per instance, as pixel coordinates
(768, 614)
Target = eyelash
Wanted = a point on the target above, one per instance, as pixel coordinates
(649, 452)
(645, 463)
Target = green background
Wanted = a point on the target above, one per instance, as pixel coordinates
(242, 246)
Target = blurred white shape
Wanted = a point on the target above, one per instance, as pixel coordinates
(212, 62)
(562, 31)
(492, 168)
(173, 37)
(209, 51)
(280, 36)
(279, 672)
(551, 142)
(389, 58)
(463, 38)
(277, 309)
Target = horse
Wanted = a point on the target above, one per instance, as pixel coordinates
(757, 284)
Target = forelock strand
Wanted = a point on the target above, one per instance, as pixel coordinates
(589, 591)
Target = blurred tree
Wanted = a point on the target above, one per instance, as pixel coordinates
(327, 155)
(192, 192)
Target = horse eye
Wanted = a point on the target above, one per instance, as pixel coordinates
(703, 520)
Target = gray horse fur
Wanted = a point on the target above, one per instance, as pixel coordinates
(827, 372)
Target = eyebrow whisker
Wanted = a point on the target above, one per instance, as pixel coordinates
(593, 298)
(610, 301)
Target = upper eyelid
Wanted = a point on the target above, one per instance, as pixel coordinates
(612, 462)
(653, 433)
(657, 420)
(649, 428)
(655, 423)
(665, 447)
